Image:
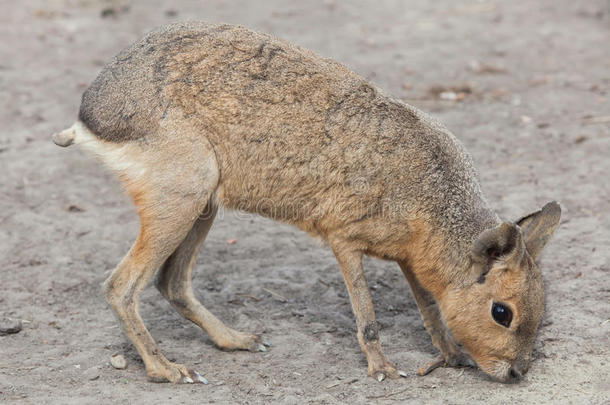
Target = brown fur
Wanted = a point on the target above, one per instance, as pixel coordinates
(196, 115)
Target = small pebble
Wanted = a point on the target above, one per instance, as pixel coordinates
(92, 374)
(9, 326)
(118, 362)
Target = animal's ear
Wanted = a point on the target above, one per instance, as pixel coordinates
(539, 226)
(502, 242)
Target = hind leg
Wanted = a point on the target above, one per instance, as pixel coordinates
(123, 290)
(170, 188)
(174, 282)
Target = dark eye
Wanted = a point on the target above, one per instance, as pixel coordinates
(501, 314)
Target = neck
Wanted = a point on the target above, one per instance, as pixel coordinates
(439, 256)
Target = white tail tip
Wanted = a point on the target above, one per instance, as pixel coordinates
(65, 137)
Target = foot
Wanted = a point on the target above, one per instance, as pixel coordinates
(177, 374)
(384, 371)
(235, 340)
(431, 366)
(257, 344)
(457, 361)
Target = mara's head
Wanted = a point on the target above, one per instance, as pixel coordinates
(495, 316)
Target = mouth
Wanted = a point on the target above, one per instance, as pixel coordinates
(503, 372)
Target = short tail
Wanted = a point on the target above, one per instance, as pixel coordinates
(65, 137)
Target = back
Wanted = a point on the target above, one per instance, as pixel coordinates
(298, 138)
(190, 66)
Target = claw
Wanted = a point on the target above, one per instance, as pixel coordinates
(402, 373)
(429, 367)
(187, 380)
(380, 377)
(200, 378)
(261, 348)
(267, 343)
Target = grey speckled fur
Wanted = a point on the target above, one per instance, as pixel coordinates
(285, 106)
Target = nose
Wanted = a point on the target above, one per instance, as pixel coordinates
(514, 375)
(518, 370)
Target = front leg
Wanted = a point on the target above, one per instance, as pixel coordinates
(350, 262)
(442, 337)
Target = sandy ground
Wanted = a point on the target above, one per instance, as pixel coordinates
(531, 81)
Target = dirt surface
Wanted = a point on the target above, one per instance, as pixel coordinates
(525, 85)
